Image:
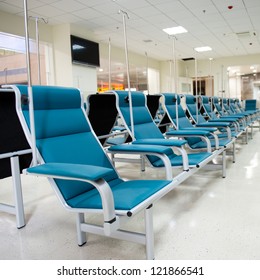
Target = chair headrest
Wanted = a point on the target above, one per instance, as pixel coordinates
(51, 97)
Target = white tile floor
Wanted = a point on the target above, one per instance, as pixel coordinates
(206, 217)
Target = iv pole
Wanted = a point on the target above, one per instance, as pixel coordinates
(109, 64)
(30, 93)
(175, 79)
(124, 15)
(196, 89)
(147, 80)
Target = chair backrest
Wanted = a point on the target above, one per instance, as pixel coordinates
(12, 138)
(217, 105)
(225, 105)
(192, 108)
(102, 113)
(250, 104)
(170, 100)
(232, 105)
(153, 104)
(63, 133)
(208, 107)
(144, 126)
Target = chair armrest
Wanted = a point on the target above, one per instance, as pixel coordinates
(70, 171)
(160, 142)
(229, 119)
(189, 132)
(208, 129)
(154, 150)
(15, 154)
(87, 173)
(213, 123)
(136, 148)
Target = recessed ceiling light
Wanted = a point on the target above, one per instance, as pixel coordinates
(175, 30)
(203, 49)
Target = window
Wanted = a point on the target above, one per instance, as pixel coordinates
(13, 68)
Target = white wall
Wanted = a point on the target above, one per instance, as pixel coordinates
(219, 67)
(62, 56)
(153, 81)
(15, 25)
(234, 90)
(85, 78)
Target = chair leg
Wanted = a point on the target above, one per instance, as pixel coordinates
(234, 152)
(142, 163)
(17, 188)
(81, 235)
(224, 165)
(149, 233)
(246, 136)
(113, 159)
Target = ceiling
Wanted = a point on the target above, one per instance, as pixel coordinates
(228, 31)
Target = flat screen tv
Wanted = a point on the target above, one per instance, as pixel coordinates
(84, 51)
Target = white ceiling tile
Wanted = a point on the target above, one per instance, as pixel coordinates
(10, 8)
(171, 7)
(138, 23)
(93, 3)
(252, 3)
(206, 21)
(107, 7)
(47, 1)
(89, 13)
(30, 4)
(48, 11)
(68, 17)
(222, 5)
(181, 16)
(203, 4)
(68, 6)
(254, 11)
(146, 11)
(133, 4)
(158, 2)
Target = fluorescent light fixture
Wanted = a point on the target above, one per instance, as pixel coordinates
(203, 49)
(77, 47)
(175, 30)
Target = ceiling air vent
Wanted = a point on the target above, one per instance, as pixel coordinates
(246, 34)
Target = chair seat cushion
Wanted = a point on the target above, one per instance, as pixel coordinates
(127, 194)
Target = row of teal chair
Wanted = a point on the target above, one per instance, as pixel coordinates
(85, 179)
(146, 132)
(86, 182)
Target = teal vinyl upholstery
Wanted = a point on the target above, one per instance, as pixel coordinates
(183, 122)
(145, 128)
(64, 136)
(194, 142)
(215, 122)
